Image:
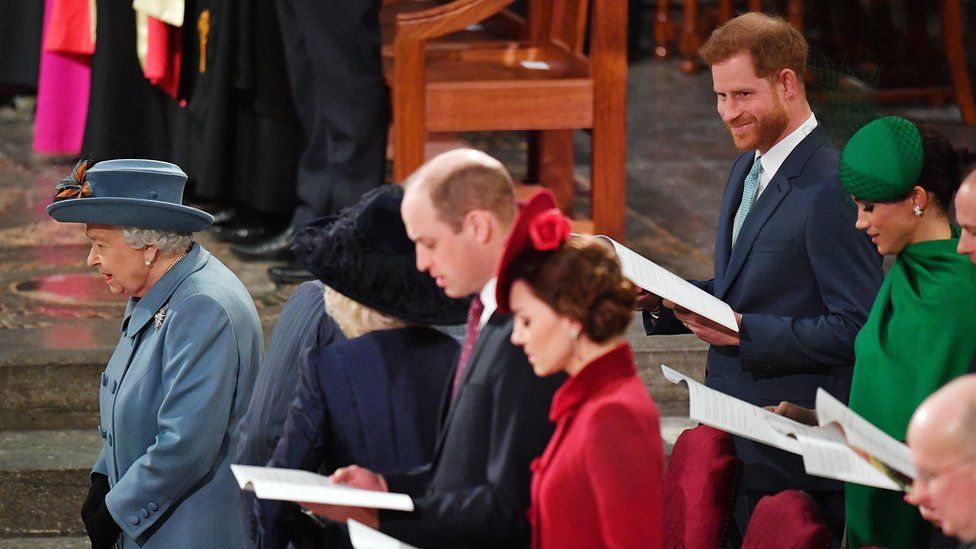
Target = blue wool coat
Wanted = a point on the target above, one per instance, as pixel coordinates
(171, 401)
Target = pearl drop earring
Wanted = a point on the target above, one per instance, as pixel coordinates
(148, 263)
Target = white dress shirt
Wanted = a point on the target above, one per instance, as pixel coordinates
(778, 153)
(488, 299)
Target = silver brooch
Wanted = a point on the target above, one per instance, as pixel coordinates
(160, 316)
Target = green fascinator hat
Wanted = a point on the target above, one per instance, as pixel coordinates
(882, 160)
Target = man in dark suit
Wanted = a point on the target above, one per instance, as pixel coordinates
(458, 210)
(788, 258)
(332, 52)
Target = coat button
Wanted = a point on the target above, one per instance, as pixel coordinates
(144, 513)
(153, 507)
(135, 520)
(115, 385)
(153, 194)
(101, 431)
(104, 379)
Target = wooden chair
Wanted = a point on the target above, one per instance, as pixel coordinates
(543, 82)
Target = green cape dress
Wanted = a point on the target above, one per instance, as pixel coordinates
(921, 334)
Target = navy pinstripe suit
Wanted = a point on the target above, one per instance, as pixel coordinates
(303, 324)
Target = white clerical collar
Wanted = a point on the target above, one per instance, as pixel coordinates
(778, 153)
(488, 299)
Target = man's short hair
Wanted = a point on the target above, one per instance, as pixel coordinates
(482, 183)
(773, 43)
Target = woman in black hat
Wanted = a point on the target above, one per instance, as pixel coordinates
(372, 397)
(173, 393)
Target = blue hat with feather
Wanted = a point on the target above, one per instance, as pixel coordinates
(127, 193)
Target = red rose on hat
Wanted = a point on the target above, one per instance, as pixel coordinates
(549, 230)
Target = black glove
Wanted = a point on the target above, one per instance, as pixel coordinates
(103, 531)
(95, 499)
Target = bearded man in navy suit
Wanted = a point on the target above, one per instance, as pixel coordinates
(788, 258)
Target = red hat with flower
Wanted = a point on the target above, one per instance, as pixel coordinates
(539, 227)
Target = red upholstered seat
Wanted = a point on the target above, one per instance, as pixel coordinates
(789, 519)
(698, 488)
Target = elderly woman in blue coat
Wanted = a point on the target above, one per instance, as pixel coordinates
(178, 383)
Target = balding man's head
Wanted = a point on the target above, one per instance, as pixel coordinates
(942, 441)
(462, 180)
(966, 216)
(458, 210)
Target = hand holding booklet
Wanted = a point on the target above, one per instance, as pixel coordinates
(297, 485)
(845, 446)
(661, 282)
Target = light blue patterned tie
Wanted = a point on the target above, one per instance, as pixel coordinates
(749, 189)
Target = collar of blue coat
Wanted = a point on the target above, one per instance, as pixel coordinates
(140, 311)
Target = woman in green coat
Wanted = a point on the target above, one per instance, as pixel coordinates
(921, 332)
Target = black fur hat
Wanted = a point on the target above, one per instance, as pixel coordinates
(364, 253)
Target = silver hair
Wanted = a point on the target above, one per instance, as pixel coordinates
(166, 242)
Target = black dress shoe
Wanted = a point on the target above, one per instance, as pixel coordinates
(275, 248)
(292, 273)
(239, 233)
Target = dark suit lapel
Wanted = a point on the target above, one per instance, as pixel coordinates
(764, 207)
(485, 340)
(730, 203)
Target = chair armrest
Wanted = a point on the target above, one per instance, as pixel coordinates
(445, 19)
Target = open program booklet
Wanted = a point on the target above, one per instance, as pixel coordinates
(659, 281)
(845, 446)
(297, 485)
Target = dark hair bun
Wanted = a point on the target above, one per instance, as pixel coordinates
(583, 281)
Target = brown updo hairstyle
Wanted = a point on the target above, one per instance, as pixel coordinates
(581, 280)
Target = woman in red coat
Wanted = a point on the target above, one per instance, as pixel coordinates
(598, 482)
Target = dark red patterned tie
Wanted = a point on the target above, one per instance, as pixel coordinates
(470, 337)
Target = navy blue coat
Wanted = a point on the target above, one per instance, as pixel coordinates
(372, 401)
(803, 279)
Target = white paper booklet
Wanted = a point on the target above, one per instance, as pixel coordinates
(828, 451)
(735, 416)
(364, 537)
(297, 485)
(659, 281)
(863, 435)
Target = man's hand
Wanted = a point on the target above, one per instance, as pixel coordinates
(806, 416)
(705, 329)
(359, 477)
(355, 477)
(646, 301)
(340, 513)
